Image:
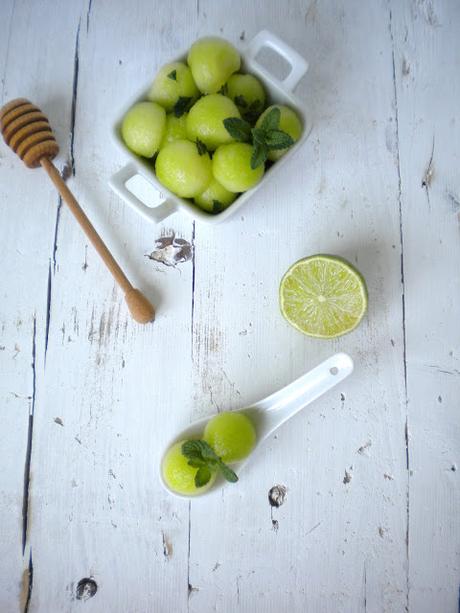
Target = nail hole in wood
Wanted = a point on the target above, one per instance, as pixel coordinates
(86, 588)
(277, 495)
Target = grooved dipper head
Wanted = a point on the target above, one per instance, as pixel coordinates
(27, 131)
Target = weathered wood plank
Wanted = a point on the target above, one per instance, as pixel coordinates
(338, 541)
(427, 69)
(117, 389)
(28, 210)
(107, 394)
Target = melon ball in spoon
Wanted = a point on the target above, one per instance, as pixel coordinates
(231, 435)
(205, 121)
(183, 169)
(212, 60)
(179, 476)
(143, 127)
(172, 82)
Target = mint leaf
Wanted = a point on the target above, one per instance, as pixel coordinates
(181, 106)
(272, 120)
(193, 451)
(259, 154)
(173, 75)
(202, 456)
(197, 462)
(241, 101)
(228, 473)
(202, 476)
(277, 139)
(239, 129)
(199, 449)
(208, 452)
(217, 207)
(202, 150)
(258, 135)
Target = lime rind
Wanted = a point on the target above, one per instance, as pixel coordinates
(323, 296)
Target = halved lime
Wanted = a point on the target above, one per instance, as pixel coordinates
(323, 296)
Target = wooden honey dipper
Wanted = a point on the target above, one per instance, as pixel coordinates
(27, 131)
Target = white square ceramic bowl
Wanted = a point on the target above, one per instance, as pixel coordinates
(278, 92)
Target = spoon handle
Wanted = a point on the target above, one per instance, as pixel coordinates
(282, 405)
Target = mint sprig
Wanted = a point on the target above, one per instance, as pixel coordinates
(202, 456)
(267, 137)
(239, 129)
(202, 476)
(271, 121)
(259, 154)
(277, 139)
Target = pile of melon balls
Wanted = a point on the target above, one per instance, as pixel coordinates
(206, 127)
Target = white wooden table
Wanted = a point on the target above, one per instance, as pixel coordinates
(88, 398)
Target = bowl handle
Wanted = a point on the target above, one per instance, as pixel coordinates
(157, 212)
(297, 63)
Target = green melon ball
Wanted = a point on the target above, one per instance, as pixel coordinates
(179, 476)
(231, 166)
(205, 121)
(215, 198)
(143, 127)
(212, 60)
(248, 94)
(180, 167)
(289, 123)
(172, 82)
(231, 435)
(175, 129)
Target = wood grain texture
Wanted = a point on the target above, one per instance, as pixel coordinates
(339, 204)
(426, 53)
(369, 516)
(28, 212)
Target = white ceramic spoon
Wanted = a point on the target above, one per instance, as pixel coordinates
(269, 414)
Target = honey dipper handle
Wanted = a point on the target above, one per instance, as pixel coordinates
(140, 308)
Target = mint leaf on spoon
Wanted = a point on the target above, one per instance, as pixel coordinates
(228, 473)
(202, 456)
(202, 476)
